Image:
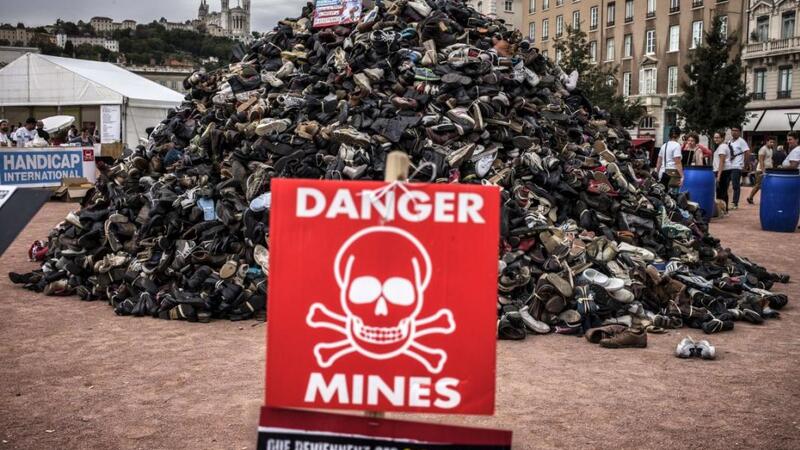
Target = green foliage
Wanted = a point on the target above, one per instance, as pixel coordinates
(598, 83)
(4, 42)
(716, 95)
(154, 42)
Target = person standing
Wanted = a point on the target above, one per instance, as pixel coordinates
(739, 153)
(84, 139)
(792, 160)
(764, 163)
(722, 167)
(5, 141)
(694, 153)
(26, 133)
(668, 166)
(41, 132)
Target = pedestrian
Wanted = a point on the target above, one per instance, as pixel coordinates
(26, 133)
(722, 167)
(668, 165)
(5, 140)
(792, 160)
(778, 156)
(694, 153)
(739, 152)
(84, 139)
(764, 163)
(41, 132)
(72, 133)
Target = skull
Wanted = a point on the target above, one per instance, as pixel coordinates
(382, 274)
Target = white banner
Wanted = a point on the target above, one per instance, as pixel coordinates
(110, 123)
(45, 166)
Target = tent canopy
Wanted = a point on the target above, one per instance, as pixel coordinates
(34, 79)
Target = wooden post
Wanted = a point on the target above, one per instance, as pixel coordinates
(397, 165)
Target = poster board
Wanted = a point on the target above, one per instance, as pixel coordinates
(45, 166)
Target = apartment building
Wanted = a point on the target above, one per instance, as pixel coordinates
(649, 40)
(513, 12)
(107, 25)
(108, 44)
(772, 61)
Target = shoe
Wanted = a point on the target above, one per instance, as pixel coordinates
(536, 326)
(685, 348)
(595, 335)
(629, 338)
(750, 200)
(705, 350)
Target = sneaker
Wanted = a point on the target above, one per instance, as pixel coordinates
(750, 200)
(705, 350)
(685, 348)
(537, 326)
(630, 338)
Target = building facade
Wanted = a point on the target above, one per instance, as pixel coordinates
(107, 25)
(772, 62)
(230, 22)
(650, 42)
(168, 76)
(511, 11)
(108, 44)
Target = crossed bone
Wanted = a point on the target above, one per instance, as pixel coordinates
(326, 353)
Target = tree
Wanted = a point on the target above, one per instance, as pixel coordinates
(716, 95)
(597, 82)
(69, 48)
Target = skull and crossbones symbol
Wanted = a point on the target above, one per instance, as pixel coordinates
(381, 295)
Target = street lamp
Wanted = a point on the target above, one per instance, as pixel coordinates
(792, 119)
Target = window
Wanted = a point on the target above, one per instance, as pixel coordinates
(762, 28)
(628, 11)
(593, 51)
(647, 122)
(672, 80)
(651, 8)
(697, 33)
(559, 25)
(593, 18)
(531, 6)
(532, 31)
(545, 5)
(576, 20)
(674, 5)
(627, 46)
(723, 26)
(545, 29)
(650, 42)
(697, 3)
(759, 84)
(611, 10)
(508, 5)
(787, 25)
(559, 2)
(785, 82)
(674, 38)
(610, 49)
(626, 84)
(558, 55)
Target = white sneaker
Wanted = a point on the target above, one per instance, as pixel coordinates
(685, 348)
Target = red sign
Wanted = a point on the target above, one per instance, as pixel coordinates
(284, 429)
(382, 296)
(88, 154)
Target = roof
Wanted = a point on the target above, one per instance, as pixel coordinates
(35, 79)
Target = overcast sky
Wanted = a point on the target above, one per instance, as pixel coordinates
(44, 12)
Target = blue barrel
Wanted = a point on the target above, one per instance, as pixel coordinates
(780, 200)
(700, 183)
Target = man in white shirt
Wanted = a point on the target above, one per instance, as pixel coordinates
(5, 141)
(792, 160)
(26, 133)
(668, 166)
(764, 163)
(740, 152)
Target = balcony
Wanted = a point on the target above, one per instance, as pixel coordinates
(758, 96)
(629, 19)
(674, 9)
(772, 47)
(697, 3)
(610, 23)
(784, 94)
(650, 14)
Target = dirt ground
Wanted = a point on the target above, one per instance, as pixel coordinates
(74, 375)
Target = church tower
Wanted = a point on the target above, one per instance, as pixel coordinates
(225, 16)
(202, 13)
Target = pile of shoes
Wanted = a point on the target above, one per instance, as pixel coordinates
(177, 228)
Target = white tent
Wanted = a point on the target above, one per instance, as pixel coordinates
(41, 80)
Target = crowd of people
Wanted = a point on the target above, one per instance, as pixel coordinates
(730, 159)
(33, 133)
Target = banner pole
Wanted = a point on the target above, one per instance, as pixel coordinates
(397, 166)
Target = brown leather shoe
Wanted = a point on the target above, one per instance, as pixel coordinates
(595, 335)
(628, 338)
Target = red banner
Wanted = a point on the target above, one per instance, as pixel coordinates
(382, 296)
(283, 429)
